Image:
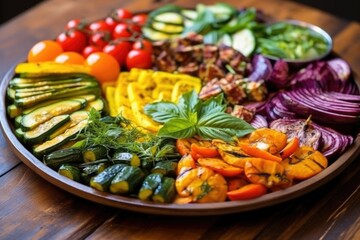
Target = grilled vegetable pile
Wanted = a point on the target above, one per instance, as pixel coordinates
(192, 114)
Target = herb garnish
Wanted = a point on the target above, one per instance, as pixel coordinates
(193, 116)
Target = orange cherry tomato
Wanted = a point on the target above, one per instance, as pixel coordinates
(103, 66)
(70, 57)
(252, 190)
(46, 50)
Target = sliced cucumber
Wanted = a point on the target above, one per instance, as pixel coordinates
(226, 39)
(170, 18)
(189, 14)
(244, 42)
(155, 35)
(167, 28)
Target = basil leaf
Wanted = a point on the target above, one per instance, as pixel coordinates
(162, 111)
(178, 128)
(221, 125)
(188, 103)
(213, 105)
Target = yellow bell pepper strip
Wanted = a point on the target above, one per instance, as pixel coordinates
(266, 172)
(202, 184)
(109, 94)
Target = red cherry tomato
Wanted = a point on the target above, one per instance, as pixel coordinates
(100, 25)
(140, 19)
(72, 41)
(46, 50)
(103, 66)
(89, 50)
(139, 59)
(119, 51)
(122, 30)
(111, 22)
(143, 45)
(122, 13)
(75, 24)
(99, 39)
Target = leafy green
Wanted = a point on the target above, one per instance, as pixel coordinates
(206, 119)
(167, 111)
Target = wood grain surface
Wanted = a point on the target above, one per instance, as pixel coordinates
(32, 208)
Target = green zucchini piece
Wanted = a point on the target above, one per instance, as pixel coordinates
(13, 111)
(45, 113)
(58, 141)
(32, 100)
(19, 133)
(43, 131)
(166, 168)
(167, 28)
(150, 183)
(165, 192)
(127, 180)
(169, 18)
(75, 118)
(18, 83)
(52, 88)
(98, 104)
(17, 121)
(127, 158)
(70, 172)
(103, 180)
(57, 158)
(92, 170)
(94, 153)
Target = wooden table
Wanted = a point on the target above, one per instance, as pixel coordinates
(32, 208)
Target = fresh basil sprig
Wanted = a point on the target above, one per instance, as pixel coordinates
(193, 116)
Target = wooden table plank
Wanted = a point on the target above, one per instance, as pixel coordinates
(30, 207)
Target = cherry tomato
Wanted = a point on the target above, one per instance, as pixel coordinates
(70, 57)
(122, 30)
(119, 51)
(73, 40)
(89, 50)
(140, 19)
(46, 50)
(99, 39)
(103, 66)
(139, 59)
(75, 24)
(122, 13)
(100, 25)
(111, 22)
(143, 45)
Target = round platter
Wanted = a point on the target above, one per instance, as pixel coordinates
(133, 204)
